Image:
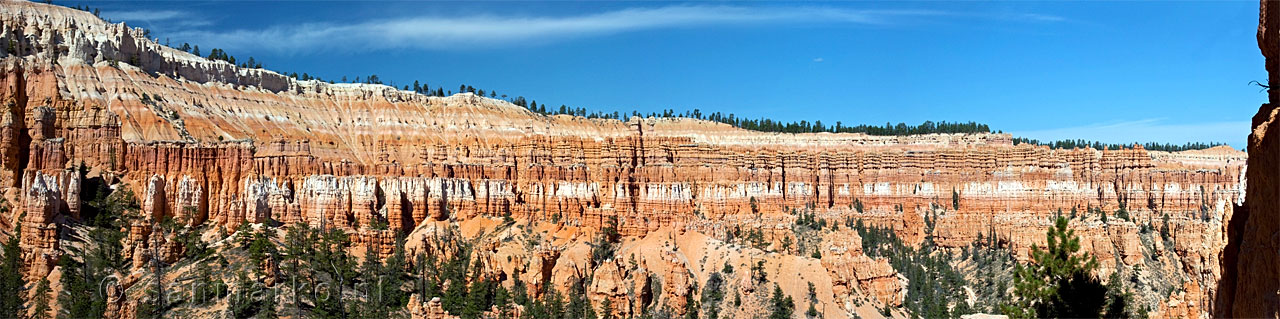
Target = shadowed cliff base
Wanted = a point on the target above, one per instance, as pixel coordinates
(1250, 287)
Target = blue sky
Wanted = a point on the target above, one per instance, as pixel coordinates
(1110, 71)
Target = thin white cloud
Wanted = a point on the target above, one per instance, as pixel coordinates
(818, 60)
(438, 32)
(1040, 17)
(1234, 133)
(144, 15)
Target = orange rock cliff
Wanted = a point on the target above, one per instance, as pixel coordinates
(216, 145)
(1250, 285)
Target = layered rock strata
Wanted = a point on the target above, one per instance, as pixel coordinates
(207, 142)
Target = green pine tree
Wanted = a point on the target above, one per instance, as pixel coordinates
(242, 304)
(955, 199)
(11, 275)
(1059, 281)
(40, 303)
(371, 273)
(606, 309)
(781, 306)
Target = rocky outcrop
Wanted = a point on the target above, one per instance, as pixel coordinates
(44, 201)
(431, 309)
(852, 272)
(123, 45)
(608, 283)
(1180, 306)
(1251, 264)
(676, 283)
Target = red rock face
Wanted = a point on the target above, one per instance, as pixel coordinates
(852, 271)
(43, 204)
(608, 283)
(1251, 262)
(427, 310)
(209, 143)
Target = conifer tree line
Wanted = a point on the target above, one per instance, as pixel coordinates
(1150, 146)
(86, 8)
(760, 124)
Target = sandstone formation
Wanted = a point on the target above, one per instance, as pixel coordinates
(1250, 286)
(852, 271)
(208, 143)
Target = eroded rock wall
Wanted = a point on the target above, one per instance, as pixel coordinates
(213, 144)
(1251, 263)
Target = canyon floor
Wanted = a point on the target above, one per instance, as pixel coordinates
(148, 171)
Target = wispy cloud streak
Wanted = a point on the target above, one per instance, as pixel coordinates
(437, 32)
(145, 15)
